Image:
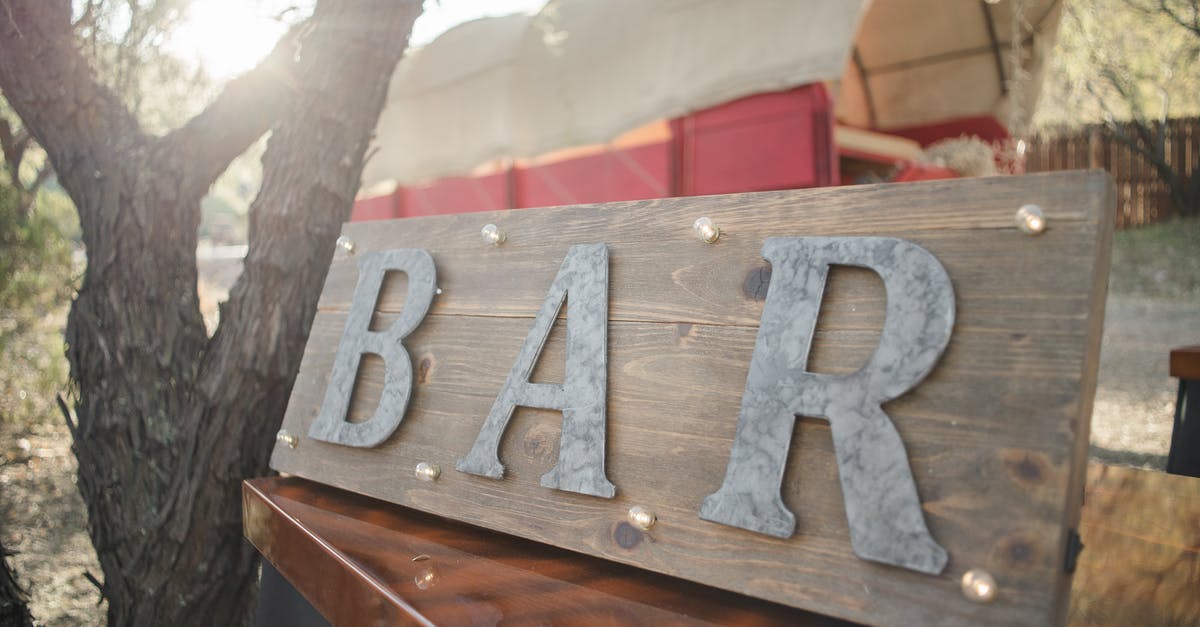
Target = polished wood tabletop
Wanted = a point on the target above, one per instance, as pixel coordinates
(1185, 362)
(360, 561)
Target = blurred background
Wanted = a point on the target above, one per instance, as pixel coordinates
(518, 103)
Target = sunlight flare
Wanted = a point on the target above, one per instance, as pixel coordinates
(228, 37)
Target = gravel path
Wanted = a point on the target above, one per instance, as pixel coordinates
(1135, 395)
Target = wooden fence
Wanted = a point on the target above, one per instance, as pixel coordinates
(1142, 197)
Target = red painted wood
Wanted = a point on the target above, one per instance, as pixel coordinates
(615, 174)
(923, 172)
(764, 142)
(365, 562)
(985, 127)
(375, 208)
(456, 194)
(781, 140)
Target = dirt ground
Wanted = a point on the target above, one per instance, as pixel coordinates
(44, 523)
(44, 520)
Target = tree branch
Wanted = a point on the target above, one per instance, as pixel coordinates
(145, 21)
(13, 151)
(245, 109)
(40, 178)
(50, 86)
(14, 145)
(296, 216)
(87, 18)
(1192, 25)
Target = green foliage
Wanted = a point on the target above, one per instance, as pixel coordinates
(1131, 65)
(56, 208)
(1158, 261)
(122, 40)
(1121, 59)
(35, 286)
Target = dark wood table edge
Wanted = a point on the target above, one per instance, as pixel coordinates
(1185, 362)
(310, 555)
(282, 538)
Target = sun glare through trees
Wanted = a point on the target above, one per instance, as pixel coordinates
(228, 37)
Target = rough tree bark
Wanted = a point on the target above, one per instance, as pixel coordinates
(13, 610)
(169, 421)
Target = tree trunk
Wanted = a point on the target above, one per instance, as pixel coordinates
(13, 611)
(170, 421)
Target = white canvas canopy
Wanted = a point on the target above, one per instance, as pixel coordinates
(585, 71)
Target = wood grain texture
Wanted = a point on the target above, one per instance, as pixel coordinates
(1185, 363)
(364, 562)
(353, 558)
(1141, 564)
(996, 435)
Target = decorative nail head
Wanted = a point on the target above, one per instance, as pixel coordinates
(641, 518)
(1031, 219)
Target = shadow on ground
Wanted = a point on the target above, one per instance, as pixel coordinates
(1148, 461)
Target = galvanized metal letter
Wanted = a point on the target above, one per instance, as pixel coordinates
(357, 338)
(882, 506)
(581, 396)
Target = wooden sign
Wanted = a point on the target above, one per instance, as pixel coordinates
(870, 402)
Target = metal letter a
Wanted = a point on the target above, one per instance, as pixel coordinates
(581, 397)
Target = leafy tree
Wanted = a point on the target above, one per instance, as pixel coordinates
(119, 38)
(1130, 65)
(34, 269)
(168, 420)
(14, 237)
(16, 145)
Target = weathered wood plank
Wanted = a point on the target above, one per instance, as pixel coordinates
(660, 273)
(993, 435)
(677, 407)
(672, 282)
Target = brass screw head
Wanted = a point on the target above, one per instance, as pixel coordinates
(705, 230)
(287, 438)
(426, 471)
(641, 518)
(979, 586)
(1031, 219)
(492, 234)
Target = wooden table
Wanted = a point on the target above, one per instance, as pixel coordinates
(1142, 561)
(361, 561)
(1184, 457)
